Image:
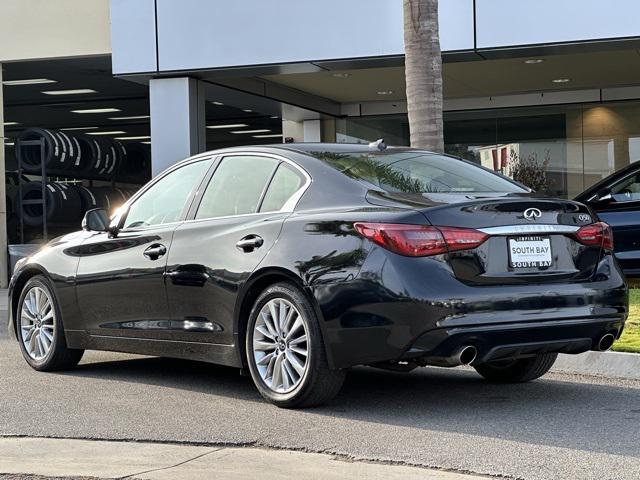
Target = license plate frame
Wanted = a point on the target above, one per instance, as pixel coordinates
(533, 251)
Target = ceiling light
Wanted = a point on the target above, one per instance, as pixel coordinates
(275, 116)
(139, 137)
(218, 103)
(260, 130)
(97, 110)
(271, 135)
(77, 91)
(115, 132)
(230, 125)
(146, 143)
(533, 61)
(134, 117)
(385, 92)
(8, 124)
(9, 143)
(248, 110)
(79, 128)
(561, 80)
(28, 81)
(340, 75)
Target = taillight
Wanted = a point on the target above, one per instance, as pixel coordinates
(597, 234)
(462, 238)
(420, 240)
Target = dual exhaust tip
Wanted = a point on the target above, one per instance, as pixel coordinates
(464, 355)
(606, 342)
(467, 354)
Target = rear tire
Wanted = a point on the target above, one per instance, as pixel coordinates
(287, 358)
(517, 371)
(38, 320)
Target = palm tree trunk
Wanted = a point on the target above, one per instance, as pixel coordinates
(423, 72)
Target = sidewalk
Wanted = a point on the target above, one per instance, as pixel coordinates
(155, 461)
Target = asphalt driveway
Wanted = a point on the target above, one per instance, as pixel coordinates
(558, 427)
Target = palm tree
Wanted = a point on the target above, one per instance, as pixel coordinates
(423, 72)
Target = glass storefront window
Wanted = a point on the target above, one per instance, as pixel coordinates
(560, 150)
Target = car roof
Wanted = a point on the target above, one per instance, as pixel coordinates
(345, 148)
(317, 147)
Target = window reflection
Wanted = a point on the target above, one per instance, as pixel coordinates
(575, 145)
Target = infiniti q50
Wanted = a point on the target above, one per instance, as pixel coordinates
(299, 261)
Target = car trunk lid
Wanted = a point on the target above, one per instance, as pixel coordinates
(529, 239)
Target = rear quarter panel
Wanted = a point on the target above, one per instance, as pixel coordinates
(322, 250)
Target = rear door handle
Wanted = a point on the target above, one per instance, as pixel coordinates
(250, 243)
(155, 251)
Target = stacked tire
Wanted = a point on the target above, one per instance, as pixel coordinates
(66, 204)
(82, 156)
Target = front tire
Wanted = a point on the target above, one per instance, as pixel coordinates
(517, 371)
(39, 328)
(285, 350)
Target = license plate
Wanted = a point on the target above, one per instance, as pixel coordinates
(527, 252)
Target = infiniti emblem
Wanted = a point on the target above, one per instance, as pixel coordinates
(532, 213)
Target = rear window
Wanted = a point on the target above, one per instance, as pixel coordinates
(410, 172)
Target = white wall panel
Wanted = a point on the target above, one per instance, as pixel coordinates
(522, 22)
(39, 29)
(133, 36)
(205, 34)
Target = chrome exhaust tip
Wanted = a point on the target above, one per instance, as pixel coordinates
(462, 356)
(467, 355)
(606, 342)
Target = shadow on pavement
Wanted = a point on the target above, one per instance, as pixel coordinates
(597, 417)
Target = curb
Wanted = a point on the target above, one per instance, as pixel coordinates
(102, 459)
(602, 364)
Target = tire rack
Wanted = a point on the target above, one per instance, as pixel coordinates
(43, 179)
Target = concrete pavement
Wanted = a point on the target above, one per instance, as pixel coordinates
(560, 427)
(563, 426)
(153, 461)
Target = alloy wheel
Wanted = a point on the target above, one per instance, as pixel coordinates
(37, 323)
(281, 345)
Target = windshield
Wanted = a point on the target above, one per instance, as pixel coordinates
(411, 172)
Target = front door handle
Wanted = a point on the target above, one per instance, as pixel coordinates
(155, 251)
(250, 243)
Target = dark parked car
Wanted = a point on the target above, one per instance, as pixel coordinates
(297, 262)
(616, 200)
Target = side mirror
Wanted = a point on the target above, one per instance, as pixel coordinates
(96, 220)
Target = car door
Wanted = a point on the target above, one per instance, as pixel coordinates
(618, 204)
(120, 278)
(232, 226)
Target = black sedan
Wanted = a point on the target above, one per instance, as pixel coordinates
(616, 200)
(296, 262)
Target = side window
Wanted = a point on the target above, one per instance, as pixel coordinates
(285, 183)
(236, 186)
(166, 199)
(627, 189)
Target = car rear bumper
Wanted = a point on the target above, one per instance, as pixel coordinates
(515, 340)
(394, 311)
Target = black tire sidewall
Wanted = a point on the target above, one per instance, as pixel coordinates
(314, 345)
(521, 370)
(58, 337)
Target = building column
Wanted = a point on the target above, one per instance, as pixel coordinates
(177, 108)
(4, 256)
(302, 131)
(312, 130)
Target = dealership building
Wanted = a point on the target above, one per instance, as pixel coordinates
(556, 81)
